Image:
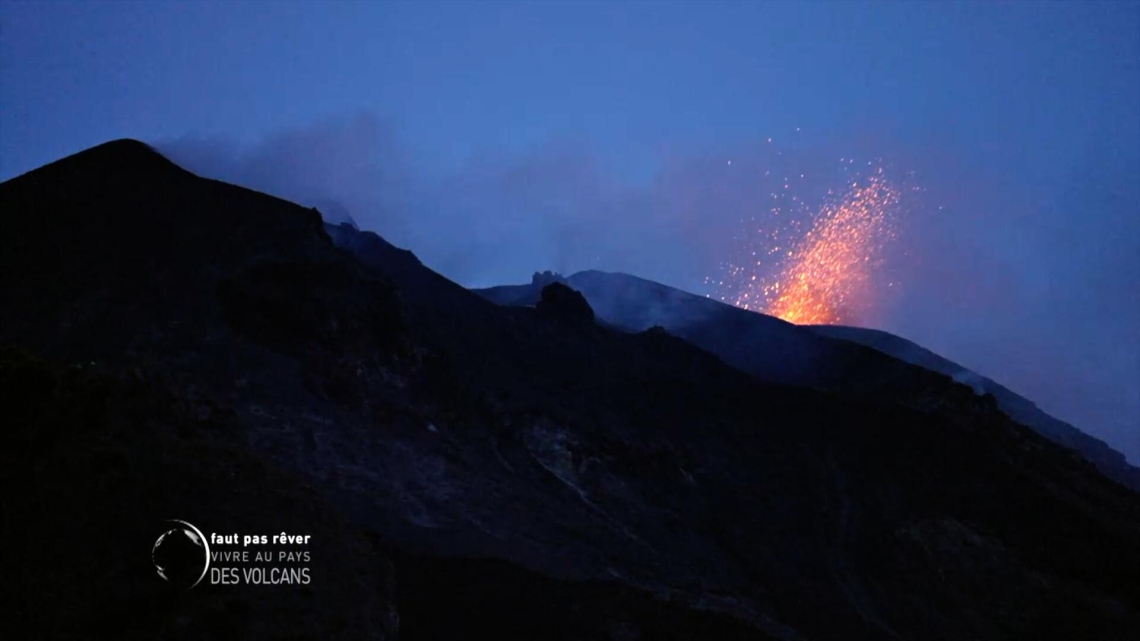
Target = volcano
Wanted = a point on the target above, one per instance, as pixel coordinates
(823, 356)
(177, 347)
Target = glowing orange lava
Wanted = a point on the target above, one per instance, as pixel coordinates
(826, 276)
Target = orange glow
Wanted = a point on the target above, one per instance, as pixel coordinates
(827, 275)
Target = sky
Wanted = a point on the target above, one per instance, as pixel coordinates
(498, 139)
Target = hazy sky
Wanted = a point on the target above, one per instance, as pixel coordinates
(498, 139)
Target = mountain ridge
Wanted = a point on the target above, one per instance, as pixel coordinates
(1021, 409)
(500, 451)
(763, 345)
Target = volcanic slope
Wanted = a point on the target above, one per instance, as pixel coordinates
(823, 356)
(472, 466)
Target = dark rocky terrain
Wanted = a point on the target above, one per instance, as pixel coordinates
(1107, 460)
(820, 356)
(176, 347)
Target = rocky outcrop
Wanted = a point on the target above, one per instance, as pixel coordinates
(560, 302)
(542, 279)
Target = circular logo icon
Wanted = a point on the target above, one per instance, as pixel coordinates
(181, 555)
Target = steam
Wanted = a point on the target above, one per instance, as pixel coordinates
(350, 166)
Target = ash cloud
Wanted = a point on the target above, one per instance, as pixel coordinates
(1037, 291)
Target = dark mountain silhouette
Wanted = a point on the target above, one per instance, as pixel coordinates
(182, 348)
(559, 301)
(817, 356)
(334, 213)
(1019, 408)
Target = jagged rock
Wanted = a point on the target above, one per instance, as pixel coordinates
(334, 213)
(542, 279)
(559, 301)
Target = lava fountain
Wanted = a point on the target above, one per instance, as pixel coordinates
(828, 274)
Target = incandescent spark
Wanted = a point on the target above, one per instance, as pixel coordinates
(826, 274)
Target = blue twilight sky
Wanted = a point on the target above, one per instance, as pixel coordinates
(496, 139)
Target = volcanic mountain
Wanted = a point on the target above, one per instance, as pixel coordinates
(820, 356)
(176, 347)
